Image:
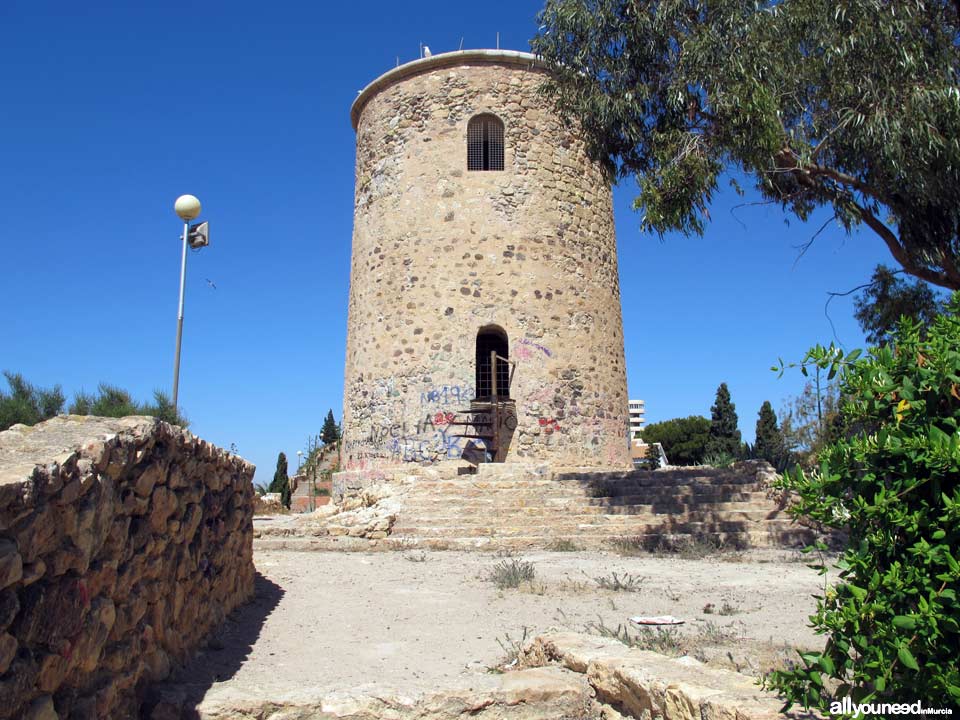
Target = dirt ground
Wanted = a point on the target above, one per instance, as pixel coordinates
(415, 621)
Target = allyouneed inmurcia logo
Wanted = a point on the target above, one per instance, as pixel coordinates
(848, 707)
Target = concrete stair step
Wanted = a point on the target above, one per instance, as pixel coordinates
(466, 489)
(556, 498)
(550, 516)
(752, 539)
(658, 479)
(466, 482)
(758, 500)
(560, 529)
(565, 499)
(473, 481)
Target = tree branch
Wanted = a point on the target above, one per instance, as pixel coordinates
(943, 279)
(826, 139)
(806, 246)
(806, 176)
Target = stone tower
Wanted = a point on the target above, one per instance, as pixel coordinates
(484, 317)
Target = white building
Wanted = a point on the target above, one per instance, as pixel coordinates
(637, 413)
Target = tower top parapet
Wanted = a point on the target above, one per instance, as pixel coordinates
(436, 62)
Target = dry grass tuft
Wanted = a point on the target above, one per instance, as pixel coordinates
(511, 573)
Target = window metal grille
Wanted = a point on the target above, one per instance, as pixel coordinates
(485, 143)
(487, 341)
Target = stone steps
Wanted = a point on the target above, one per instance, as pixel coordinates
(659, 478)
(470, 483)
(517, 506)
(613, 505)
(576, 516)
(603, 541)
(466, 488)
(575, 528)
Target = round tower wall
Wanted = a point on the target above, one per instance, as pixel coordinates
(440, 251)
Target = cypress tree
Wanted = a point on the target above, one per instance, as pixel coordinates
(769, 444)
(330, 432)
(280, 476)
(652, 457)
(724, 435)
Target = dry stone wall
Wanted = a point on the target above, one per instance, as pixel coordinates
(122, 544)
(440, 252)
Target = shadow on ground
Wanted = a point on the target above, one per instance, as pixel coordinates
(228, 648)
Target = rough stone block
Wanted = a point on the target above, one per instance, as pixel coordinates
(8, 650)
(11, 563)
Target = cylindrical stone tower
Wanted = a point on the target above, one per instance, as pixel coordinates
(484, 318)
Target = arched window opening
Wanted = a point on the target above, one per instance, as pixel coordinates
(492, 339)
(485, 143)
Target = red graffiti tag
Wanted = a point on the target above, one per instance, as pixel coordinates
(549, 425)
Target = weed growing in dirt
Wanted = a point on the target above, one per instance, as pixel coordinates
(512, 652)
(563, 545)
(669, 640)
(728, 609)
(534, 588)
(725, 609)
(666, 641)
(629, 546)
(627, 583)
(573, 586)
(422, 557)
(710, 633)
(511, 573)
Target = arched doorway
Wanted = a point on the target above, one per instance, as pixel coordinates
(492, 339)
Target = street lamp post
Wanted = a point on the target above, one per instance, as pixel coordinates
(187, 208)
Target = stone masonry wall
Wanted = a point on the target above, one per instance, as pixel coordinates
(440, 252)
(123, 542)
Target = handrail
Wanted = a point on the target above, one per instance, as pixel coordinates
(513, 369)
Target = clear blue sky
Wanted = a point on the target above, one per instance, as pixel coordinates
(113, 109)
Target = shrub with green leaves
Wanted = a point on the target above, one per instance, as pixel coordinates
(26, 403)
(892, 483)
(112, 401)
(684, 440)
(29, 404)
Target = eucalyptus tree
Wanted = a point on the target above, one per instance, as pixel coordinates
(849, 105)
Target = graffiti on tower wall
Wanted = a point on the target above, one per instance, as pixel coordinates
(431, 432)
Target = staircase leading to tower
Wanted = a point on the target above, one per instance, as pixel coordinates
(506, 506)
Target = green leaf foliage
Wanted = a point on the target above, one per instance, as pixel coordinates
(724, 436)
(890, 482)
(684, 440)
(26, 403)
(280, 479)
(330, 433)
(769, 444)
(112, 401)
(889, 298)
(651, 457)
(850, 105)
(810, 421)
